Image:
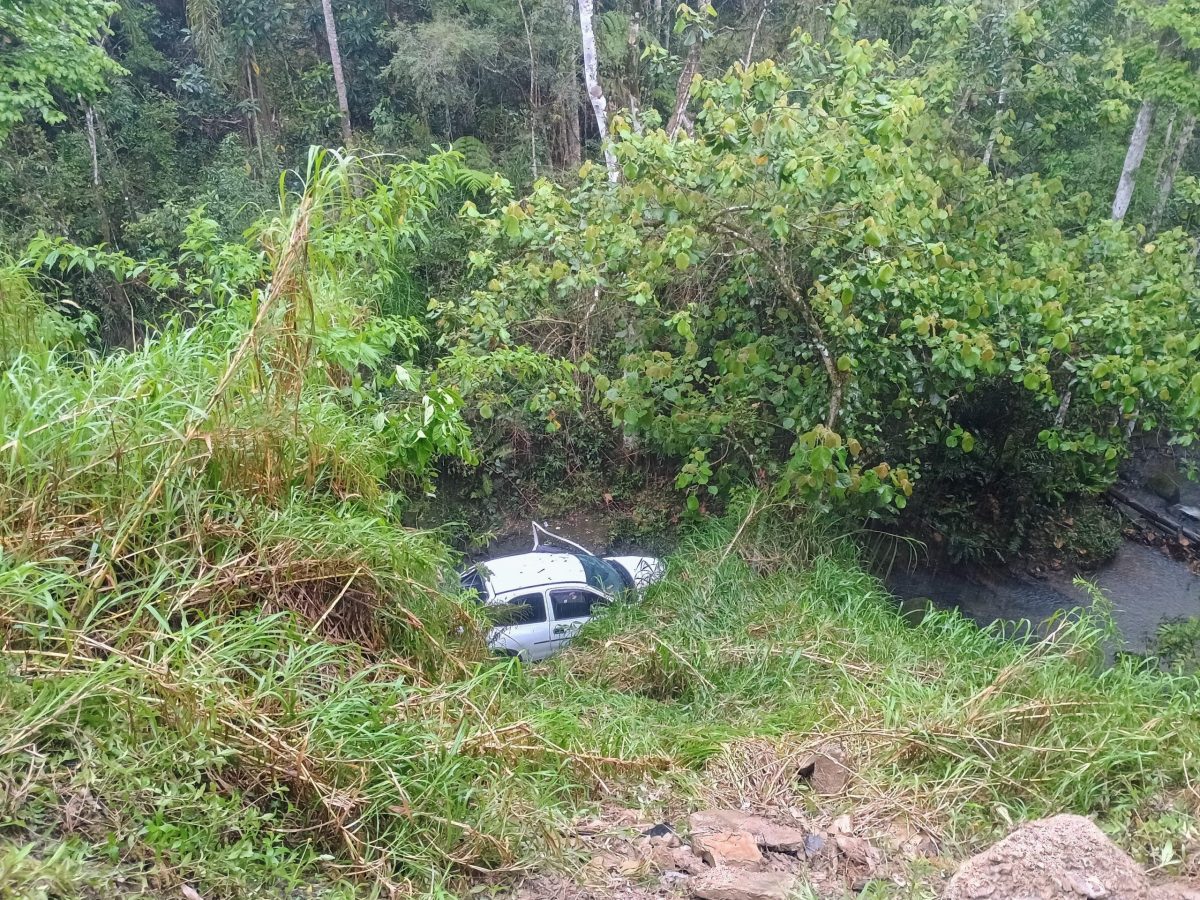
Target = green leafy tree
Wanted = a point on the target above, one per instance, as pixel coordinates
(815, 289)
(50, 50)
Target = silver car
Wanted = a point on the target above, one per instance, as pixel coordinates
(540, 599)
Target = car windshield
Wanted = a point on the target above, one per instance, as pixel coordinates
(603, 575)
(472, 582)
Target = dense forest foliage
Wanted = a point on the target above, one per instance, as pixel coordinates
(278, 277)
(833, 251)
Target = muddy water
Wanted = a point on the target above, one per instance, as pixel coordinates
(1145, 587)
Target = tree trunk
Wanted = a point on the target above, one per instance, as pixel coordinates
(683, 87)
(1142, 127)
(106, 229)
(1166, 184)
(749, 57)
(997, 118)
(339, 78)
(533, 93)
(632, 73)
(591, 78)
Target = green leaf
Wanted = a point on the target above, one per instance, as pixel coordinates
(682, 260)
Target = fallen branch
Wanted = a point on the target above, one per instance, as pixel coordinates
(1160, 520)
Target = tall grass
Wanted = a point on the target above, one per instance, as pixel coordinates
(243, 752)
(224, 663)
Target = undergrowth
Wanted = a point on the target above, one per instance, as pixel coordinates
(241, 753)
(225, 666)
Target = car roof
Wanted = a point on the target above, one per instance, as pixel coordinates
(530, 570)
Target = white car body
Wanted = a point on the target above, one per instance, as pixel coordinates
(551, 595)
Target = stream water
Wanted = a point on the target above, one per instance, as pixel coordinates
(1145, 586)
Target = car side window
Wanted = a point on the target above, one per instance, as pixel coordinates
(575, 603)
(528, 609)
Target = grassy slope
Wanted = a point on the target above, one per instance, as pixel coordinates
(223, 664)
(201, 764)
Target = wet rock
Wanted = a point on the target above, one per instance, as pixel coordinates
(1165, 481)
(766, 833)
(1061, 858)
(730, 884)
(827, 770)
(727, 848)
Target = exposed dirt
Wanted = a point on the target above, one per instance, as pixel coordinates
(1061, 858)
(724, 854)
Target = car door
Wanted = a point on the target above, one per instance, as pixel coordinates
(521, 625)
(571, 606)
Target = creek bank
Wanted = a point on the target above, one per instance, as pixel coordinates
(1152, 578)
(1146, 588)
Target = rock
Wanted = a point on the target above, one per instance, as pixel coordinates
(731, 884)
(766, 833)
(827, 770)
(727, 848)
(857, 850)
(683, 859)
(1061, 858)
(1175, 890)
(813, 845)
(662, 829)
(1165, 482)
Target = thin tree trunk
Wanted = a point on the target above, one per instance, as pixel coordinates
(339, 78)
(106, 229)
(998, 118)
(632, 73)
(1166, 183)
(1142, 127)
(591, 77)
(749, 58)
(533, 99)
(683, 87)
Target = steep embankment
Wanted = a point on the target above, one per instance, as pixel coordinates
(236, 753)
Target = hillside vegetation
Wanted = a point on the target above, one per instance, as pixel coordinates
(787, 274)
